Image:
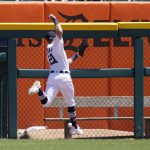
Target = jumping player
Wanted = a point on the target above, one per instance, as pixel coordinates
(59, 78)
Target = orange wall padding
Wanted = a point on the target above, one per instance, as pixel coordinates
(130, 11)
(21, 12)
(91, 11)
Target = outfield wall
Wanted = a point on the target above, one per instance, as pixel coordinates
(106, 51)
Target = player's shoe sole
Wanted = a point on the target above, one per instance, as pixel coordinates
(34, 88)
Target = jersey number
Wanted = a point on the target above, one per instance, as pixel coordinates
(52, 59)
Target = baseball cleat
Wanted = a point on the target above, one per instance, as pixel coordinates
(74, 131)
(35, 88)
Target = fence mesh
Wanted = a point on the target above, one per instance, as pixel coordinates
(110, 100)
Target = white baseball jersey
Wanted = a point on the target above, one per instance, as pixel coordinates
(59, 81)
(57, 56)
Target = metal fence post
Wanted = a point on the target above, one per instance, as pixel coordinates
(138, 88)
(12, 88)
(3, 88)
(4, 106)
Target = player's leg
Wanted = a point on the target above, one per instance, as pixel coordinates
(46, 97)
(50, 92)
(67, 90)
(74, 128)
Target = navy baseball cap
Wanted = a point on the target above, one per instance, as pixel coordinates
(50, 35)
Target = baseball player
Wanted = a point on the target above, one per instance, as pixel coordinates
(59, 78)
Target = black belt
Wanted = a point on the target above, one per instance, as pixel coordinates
(59, 71)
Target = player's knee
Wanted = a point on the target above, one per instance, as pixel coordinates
(70, 102)
(47, 103)
(71, 109)
(44, 101)
(72, 112)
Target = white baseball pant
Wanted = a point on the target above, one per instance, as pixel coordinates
(60, 82)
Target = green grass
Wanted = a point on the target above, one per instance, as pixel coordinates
(74, 144)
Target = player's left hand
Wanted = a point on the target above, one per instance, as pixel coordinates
(81, 49)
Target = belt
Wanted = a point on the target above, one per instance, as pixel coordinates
(52, 71)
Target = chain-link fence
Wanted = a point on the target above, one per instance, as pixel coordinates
(105, 106)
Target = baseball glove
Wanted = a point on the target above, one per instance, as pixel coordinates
(81, 49)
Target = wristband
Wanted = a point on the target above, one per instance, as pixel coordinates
(55, 21)
(74, 57)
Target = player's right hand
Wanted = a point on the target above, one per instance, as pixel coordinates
(51, 16)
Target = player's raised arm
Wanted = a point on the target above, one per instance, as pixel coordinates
(58, 27)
